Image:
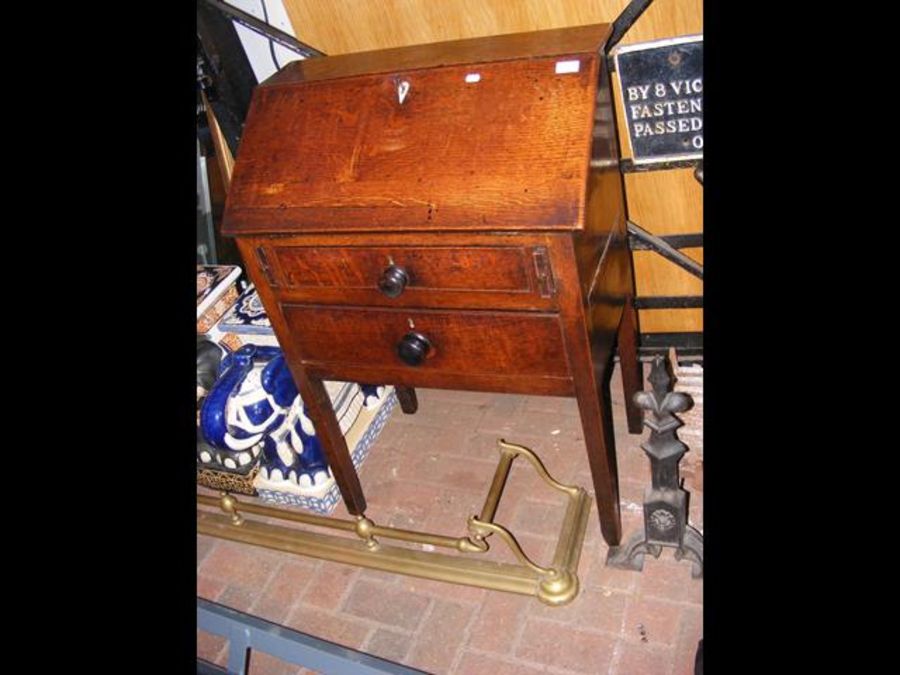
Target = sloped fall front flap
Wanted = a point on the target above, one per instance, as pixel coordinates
(485, 134)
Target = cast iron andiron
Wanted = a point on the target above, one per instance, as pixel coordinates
(665, 503)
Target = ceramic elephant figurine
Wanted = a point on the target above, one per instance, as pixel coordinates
(254, 408)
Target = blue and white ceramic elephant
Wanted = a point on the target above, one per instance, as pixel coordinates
(254, 413)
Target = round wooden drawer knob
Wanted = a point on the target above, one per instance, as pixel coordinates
(393, 280)
(413, 349)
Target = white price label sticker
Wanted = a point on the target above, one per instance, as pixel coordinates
(563, 67)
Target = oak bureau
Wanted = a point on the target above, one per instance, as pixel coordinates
(447, 215)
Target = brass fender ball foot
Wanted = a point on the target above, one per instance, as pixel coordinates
(559, 589)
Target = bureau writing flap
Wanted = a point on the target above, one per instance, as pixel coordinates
(494, 145)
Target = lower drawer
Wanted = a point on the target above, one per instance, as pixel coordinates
(440, 346)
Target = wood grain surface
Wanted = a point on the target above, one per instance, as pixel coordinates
(506, 153)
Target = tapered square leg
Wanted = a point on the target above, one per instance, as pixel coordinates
(334, 445)
(407, 398)
(601, 450)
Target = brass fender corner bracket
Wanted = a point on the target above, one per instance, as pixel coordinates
(554, 585)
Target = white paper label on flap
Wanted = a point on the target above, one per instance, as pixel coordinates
(563, 67)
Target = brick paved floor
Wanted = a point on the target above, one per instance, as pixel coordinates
(430, 471)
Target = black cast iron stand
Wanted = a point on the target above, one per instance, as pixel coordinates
(665, 503)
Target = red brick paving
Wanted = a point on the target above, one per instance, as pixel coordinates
(690, 632)
(209, 588)
(238, 564)
(442, 591)
(209, 647)
(329, 586)
(241, 599)
(667, 579)
(644, 659)
(552, 644)
(289, 581)
(260, 662)
(388, 605)
(444, 633)
(622, 622)
(389, 644)
(204, 546)
(601, 609)
(342, 629)
(652, 621)
(501, 617)
(477, 663)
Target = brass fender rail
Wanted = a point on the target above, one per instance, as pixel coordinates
(553, 585)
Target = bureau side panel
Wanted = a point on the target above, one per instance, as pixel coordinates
(601, 249)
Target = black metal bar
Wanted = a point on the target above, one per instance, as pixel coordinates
(654, 342)
(264, 29)
(678, 241)
(627, 165)
(669, 302)
(625, 21)
(291, 645)
(664, 249)
(238, 651)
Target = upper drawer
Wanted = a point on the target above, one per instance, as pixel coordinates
(516, 274)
